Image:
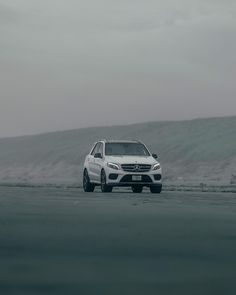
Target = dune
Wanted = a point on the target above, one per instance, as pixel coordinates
(190, 152)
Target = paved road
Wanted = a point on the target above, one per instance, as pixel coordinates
(63, 241)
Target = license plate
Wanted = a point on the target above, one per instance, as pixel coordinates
(136, 177)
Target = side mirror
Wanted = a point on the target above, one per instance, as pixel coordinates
(155, 156)
(98, 156)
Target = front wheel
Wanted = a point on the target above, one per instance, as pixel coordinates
(87, 185)
(155, 189)
(104, 187)
(137, 188)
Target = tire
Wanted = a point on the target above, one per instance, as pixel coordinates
(155, 189)
(87, 185)
(137, 189)
(104, 187)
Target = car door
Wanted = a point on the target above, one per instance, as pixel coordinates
(98, 163)
(91, 163)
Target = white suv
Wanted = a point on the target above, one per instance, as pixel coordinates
(121, 163)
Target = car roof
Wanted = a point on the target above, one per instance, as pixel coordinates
(119, 141)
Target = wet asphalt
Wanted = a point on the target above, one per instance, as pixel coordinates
(64, 241)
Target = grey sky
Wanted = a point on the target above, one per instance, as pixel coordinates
(77, 63)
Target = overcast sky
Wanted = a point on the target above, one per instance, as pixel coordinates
(74, 63)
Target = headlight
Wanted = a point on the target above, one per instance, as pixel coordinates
(156, 166)
(113, 166)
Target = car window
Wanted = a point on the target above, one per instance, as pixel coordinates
(100, 149)
(128, 149)
(95, 149)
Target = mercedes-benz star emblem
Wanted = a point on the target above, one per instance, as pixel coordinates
(136, 167)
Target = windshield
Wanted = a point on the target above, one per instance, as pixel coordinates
(126, 148)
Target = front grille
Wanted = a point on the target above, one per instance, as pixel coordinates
(128, 178)
(136, 167)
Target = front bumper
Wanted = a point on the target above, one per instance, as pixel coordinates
(123, 178)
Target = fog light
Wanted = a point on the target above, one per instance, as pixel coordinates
(113, 176)
(157, 176)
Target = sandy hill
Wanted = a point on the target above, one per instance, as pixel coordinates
(201, 150)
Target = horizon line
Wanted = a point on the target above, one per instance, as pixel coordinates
(115, 125)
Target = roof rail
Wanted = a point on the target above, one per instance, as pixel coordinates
(120, 140)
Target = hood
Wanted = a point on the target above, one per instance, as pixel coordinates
(131, 160)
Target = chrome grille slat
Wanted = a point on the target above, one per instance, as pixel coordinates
(136, 167)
